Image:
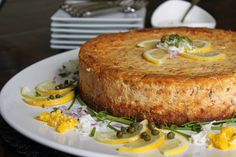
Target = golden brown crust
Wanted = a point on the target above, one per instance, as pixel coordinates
(114, 76)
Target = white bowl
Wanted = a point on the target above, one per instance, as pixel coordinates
(169, 14)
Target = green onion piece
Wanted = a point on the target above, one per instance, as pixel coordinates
(82, 103)
(37, 94)
(72, 103)
(103, 115)
(111, 127)
(92, 133)
(120, 120)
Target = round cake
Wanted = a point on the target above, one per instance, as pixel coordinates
(115, 76)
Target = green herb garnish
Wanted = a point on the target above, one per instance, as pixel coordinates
(64, 74)
(175, 40)
(111, 127)
(102, 115)
(93, 132)
(37, 94)
(197, 126)
(72, 103)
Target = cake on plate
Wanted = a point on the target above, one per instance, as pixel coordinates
(169, 75)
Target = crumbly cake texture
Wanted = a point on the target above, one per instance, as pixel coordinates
(114, 76)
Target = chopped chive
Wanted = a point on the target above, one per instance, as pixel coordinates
(189, 126)
(64, 74)
(104, 116)
(37, 94)
(111, 127)
(120, 120)
(82, 103)
(72, 103)
(92, 133)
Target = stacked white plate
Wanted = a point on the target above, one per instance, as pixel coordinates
(70, 32)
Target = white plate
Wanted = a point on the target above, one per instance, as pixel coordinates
(67, 42)
(64, 47)
(119, 17)
(71, 36)
(21, 116)
(82, 25)
(87, 31)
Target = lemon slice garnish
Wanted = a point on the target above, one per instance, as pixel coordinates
(27, 93)
(201, 46)
(208, 56)
(48, 88)
(155, 56)
(111, 138)
(148, 43)
(50, 102)
(174, 146)
(143, 146)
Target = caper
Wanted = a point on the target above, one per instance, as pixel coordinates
(57, 87)
(131, 129)
(155, 132)
(61, 86)
(66, 82)
(170, 135)
(74, 78)
(139, 127)
(151, 125)
(58, 96)
(133, 124)
(143, 134)
(123, 129)
(161, 126)
(72, 82)
(147, 138)
(51, 97)
(136, 126)
(119, 134)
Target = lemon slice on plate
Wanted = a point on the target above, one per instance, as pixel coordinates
(156, 56)
(50, 102)
(201, 46)
(111, 138)
(148, 43)
(144, 146)
(27, 93)
(208, 56)
(174, 146)
(49, 87)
